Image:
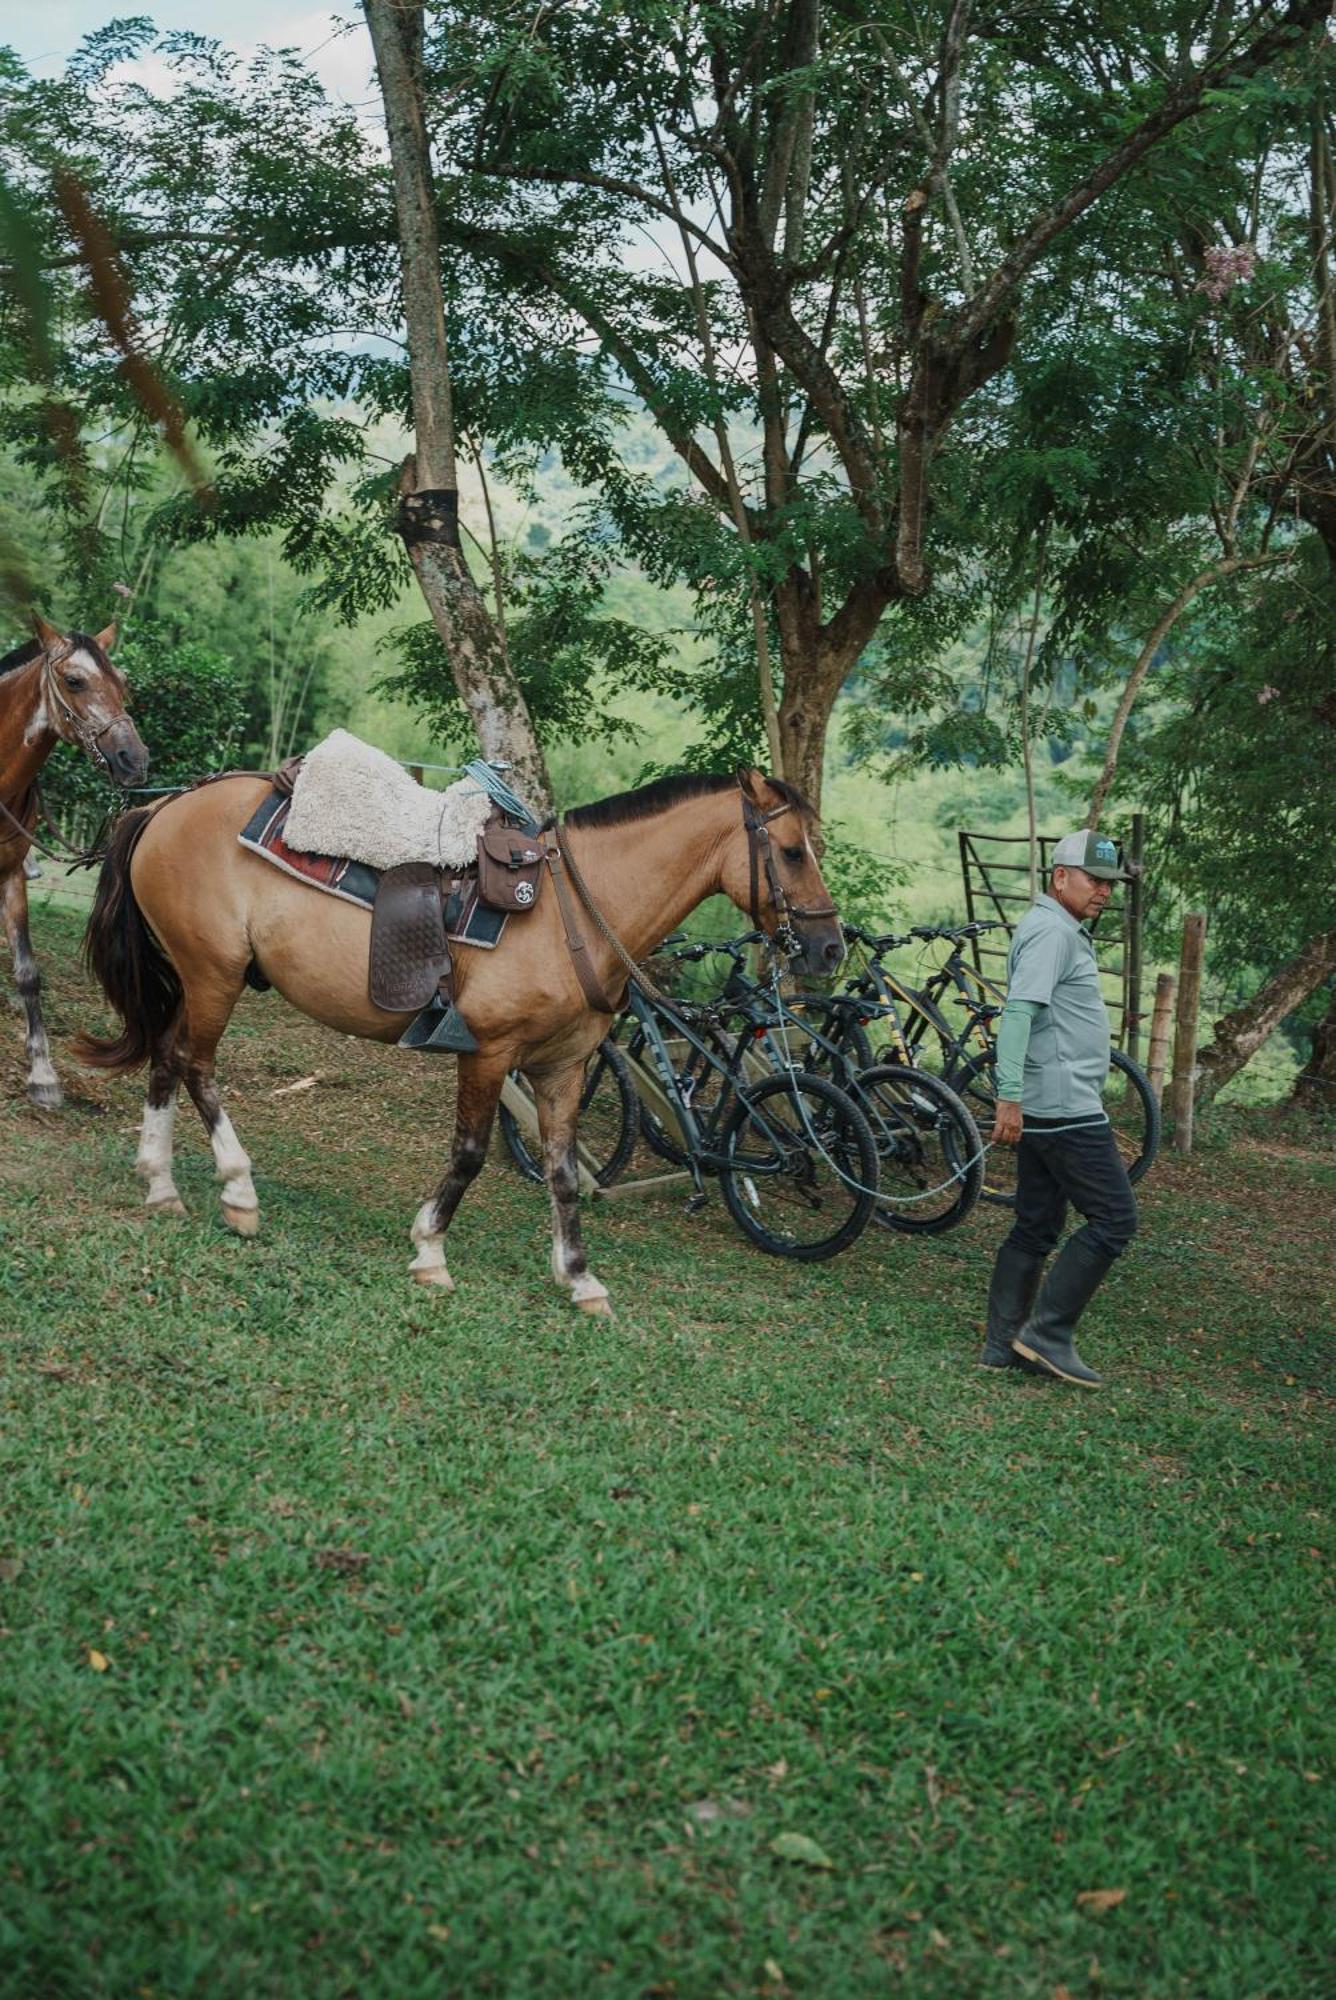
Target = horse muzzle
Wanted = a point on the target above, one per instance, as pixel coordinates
(822, 947)
(123, 750)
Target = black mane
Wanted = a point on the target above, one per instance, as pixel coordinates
(20, 656)
(648, 800)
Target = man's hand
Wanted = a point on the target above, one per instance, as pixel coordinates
(1007, 1123)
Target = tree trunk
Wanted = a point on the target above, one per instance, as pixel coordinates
(1240, 1034)
(1315, 1084)
(429, 509)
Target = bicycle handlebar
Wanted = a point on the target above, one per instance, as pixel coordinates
(930, 933)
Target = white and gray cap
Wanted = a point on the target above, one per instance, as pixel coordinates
(1094, 852)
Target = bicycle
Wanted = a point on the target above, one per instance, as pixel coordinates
(930, 1156)
(793, 1154)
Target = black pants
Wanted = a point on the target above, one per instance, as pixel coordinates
(1081, 1166)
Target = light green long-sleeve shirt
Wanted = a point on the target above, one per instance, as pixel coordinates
(1013, 1039)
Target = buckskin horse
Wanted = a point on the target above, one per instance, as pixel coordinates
(59, 687)
(183, 913)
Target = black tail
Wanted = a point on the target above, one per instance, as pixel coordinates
(127, 961)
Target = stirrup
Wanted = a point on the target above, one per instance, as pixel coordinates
(439, 1027)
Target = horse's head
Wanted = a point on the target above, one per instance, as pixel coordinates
(84, 697)
(771, 872)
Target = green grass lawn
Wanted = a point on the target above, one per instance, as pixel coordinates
(355, 1640)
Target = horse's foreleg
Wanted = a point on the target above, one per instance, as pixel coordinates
(43, 1083)
(558, 1099)
(153, 1163)
(480, 1080)
(207, 1013)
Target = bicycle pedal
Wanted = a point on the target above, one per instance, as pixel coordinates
(694, 1203)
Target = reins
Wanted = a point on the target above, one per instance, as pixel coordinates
(561, 862)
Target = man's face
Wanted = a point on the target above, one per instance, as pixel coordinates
(1081, 895)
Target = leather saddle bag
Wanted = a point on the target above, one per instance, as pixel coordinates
(510, 863)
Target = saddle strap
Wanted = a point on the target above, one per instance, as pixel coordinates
(590, 984)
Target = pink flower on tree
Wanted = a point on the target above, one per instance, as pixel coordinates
(1267, 694)
(1227, 265)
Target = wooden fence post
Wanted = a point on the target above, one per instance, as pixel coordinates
(1185, 1033)
(1133, 925)
(1165, 987)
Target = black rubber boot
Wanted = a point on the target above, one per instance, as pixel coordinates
(1046, 1337)
(1011, 1293)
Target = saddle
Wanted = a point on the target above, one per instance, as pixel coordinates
(416, 908)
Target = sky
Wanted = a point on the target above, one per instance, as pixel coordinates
(46, 36)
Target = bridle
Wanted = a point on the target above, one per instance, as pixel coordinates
(68, 725)
(761, 859)
(72, 729)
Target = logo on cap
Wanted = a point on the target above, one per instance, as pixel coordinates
(1105, 851)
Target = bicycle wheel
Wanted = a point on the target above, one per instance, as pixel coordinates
(802, 1166)
(837, 1025)
(1128, 1099)
(1133, 1113)
(699, 1081)
(608, 1123)
(929, 1153)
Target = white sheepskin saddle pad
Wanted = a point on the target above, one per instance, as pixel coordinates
(351, 799)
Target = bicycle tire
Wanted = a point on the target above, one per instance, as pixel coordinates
(609, 1136)
(926, 1140)
(701, 1082)
(834, 1020)
(1136, 1125)
(839, 1172)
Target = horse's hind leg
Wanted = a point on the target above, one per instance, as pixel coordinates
(43, 1083)
(480, 1080)
(208, 1008)
(558, 1097)
(153, 1162)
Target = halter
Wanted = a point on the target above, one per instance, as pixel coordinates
(69, 726)
(760, 856)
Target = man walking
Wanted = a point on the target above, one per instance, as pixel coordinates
(1052, 1059)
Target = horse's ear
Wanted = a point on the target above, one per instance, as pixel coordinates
(752, 781)
(46, 634)
(106, 638)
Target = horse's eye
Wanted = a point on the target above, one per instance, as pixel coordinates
(75, 683)
(794, 854)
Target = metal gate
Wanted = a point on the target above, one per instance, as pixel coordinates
(995, 869)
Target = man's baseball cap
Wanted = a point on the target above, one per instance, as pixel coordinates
(1094, 852)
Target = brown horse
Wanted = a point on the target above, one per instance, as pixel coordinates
(183, 913)
(58, 688)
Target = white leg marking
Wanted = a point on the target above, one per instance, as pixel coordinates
(153, 1162)
(428, 1267)
(232, 1162)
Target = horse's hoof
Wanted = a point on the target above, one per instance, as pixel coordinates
(173, 1205)
(434, 1274)
(599, 1308)
(245, 1221)
(46, 1096)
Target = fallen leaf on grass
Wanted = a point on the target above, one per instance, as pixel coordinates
(438, 1931)
(1099, 1900)
(709, 1812)
(345, 1562)
(98, 1661)
(799, 1847)
(9, 1568)
(302, 1083)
